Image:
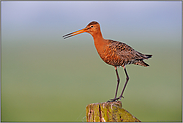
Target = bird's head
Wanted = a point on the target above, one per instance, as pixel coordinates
(93, 28)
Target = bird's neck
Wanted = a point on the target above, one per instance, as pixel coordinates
(97, 36)
(99, 41)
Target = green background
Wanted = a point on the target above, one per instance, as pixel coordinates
(47, 78)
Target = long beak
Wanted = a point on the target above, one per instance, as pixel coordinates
(75, 33)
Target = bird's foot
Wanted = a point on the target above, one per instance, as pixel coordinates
(115, 99)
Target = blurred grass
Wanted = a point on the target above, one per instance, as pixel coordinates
(54, 81)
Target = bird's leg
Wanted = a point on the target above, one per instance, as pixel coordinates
(121, 96)
(127, 78)
(118, 80)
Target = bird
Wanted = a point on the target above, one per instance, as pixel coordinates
(112, 52)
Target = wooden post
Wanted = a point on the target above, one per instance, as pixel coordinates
(108, 112)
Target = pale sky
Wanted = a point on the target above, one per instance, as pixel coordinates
(120, 20)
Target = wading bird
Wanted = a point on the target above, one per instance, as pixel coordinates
(114, 53)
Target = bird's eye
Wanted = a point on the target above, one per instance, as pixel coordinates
(91, 26)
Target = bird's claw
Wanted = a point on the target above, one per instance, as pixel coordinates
(115, 99)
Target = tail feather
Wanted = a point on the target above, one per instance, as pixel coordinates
(148, 56)
(142, 63)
